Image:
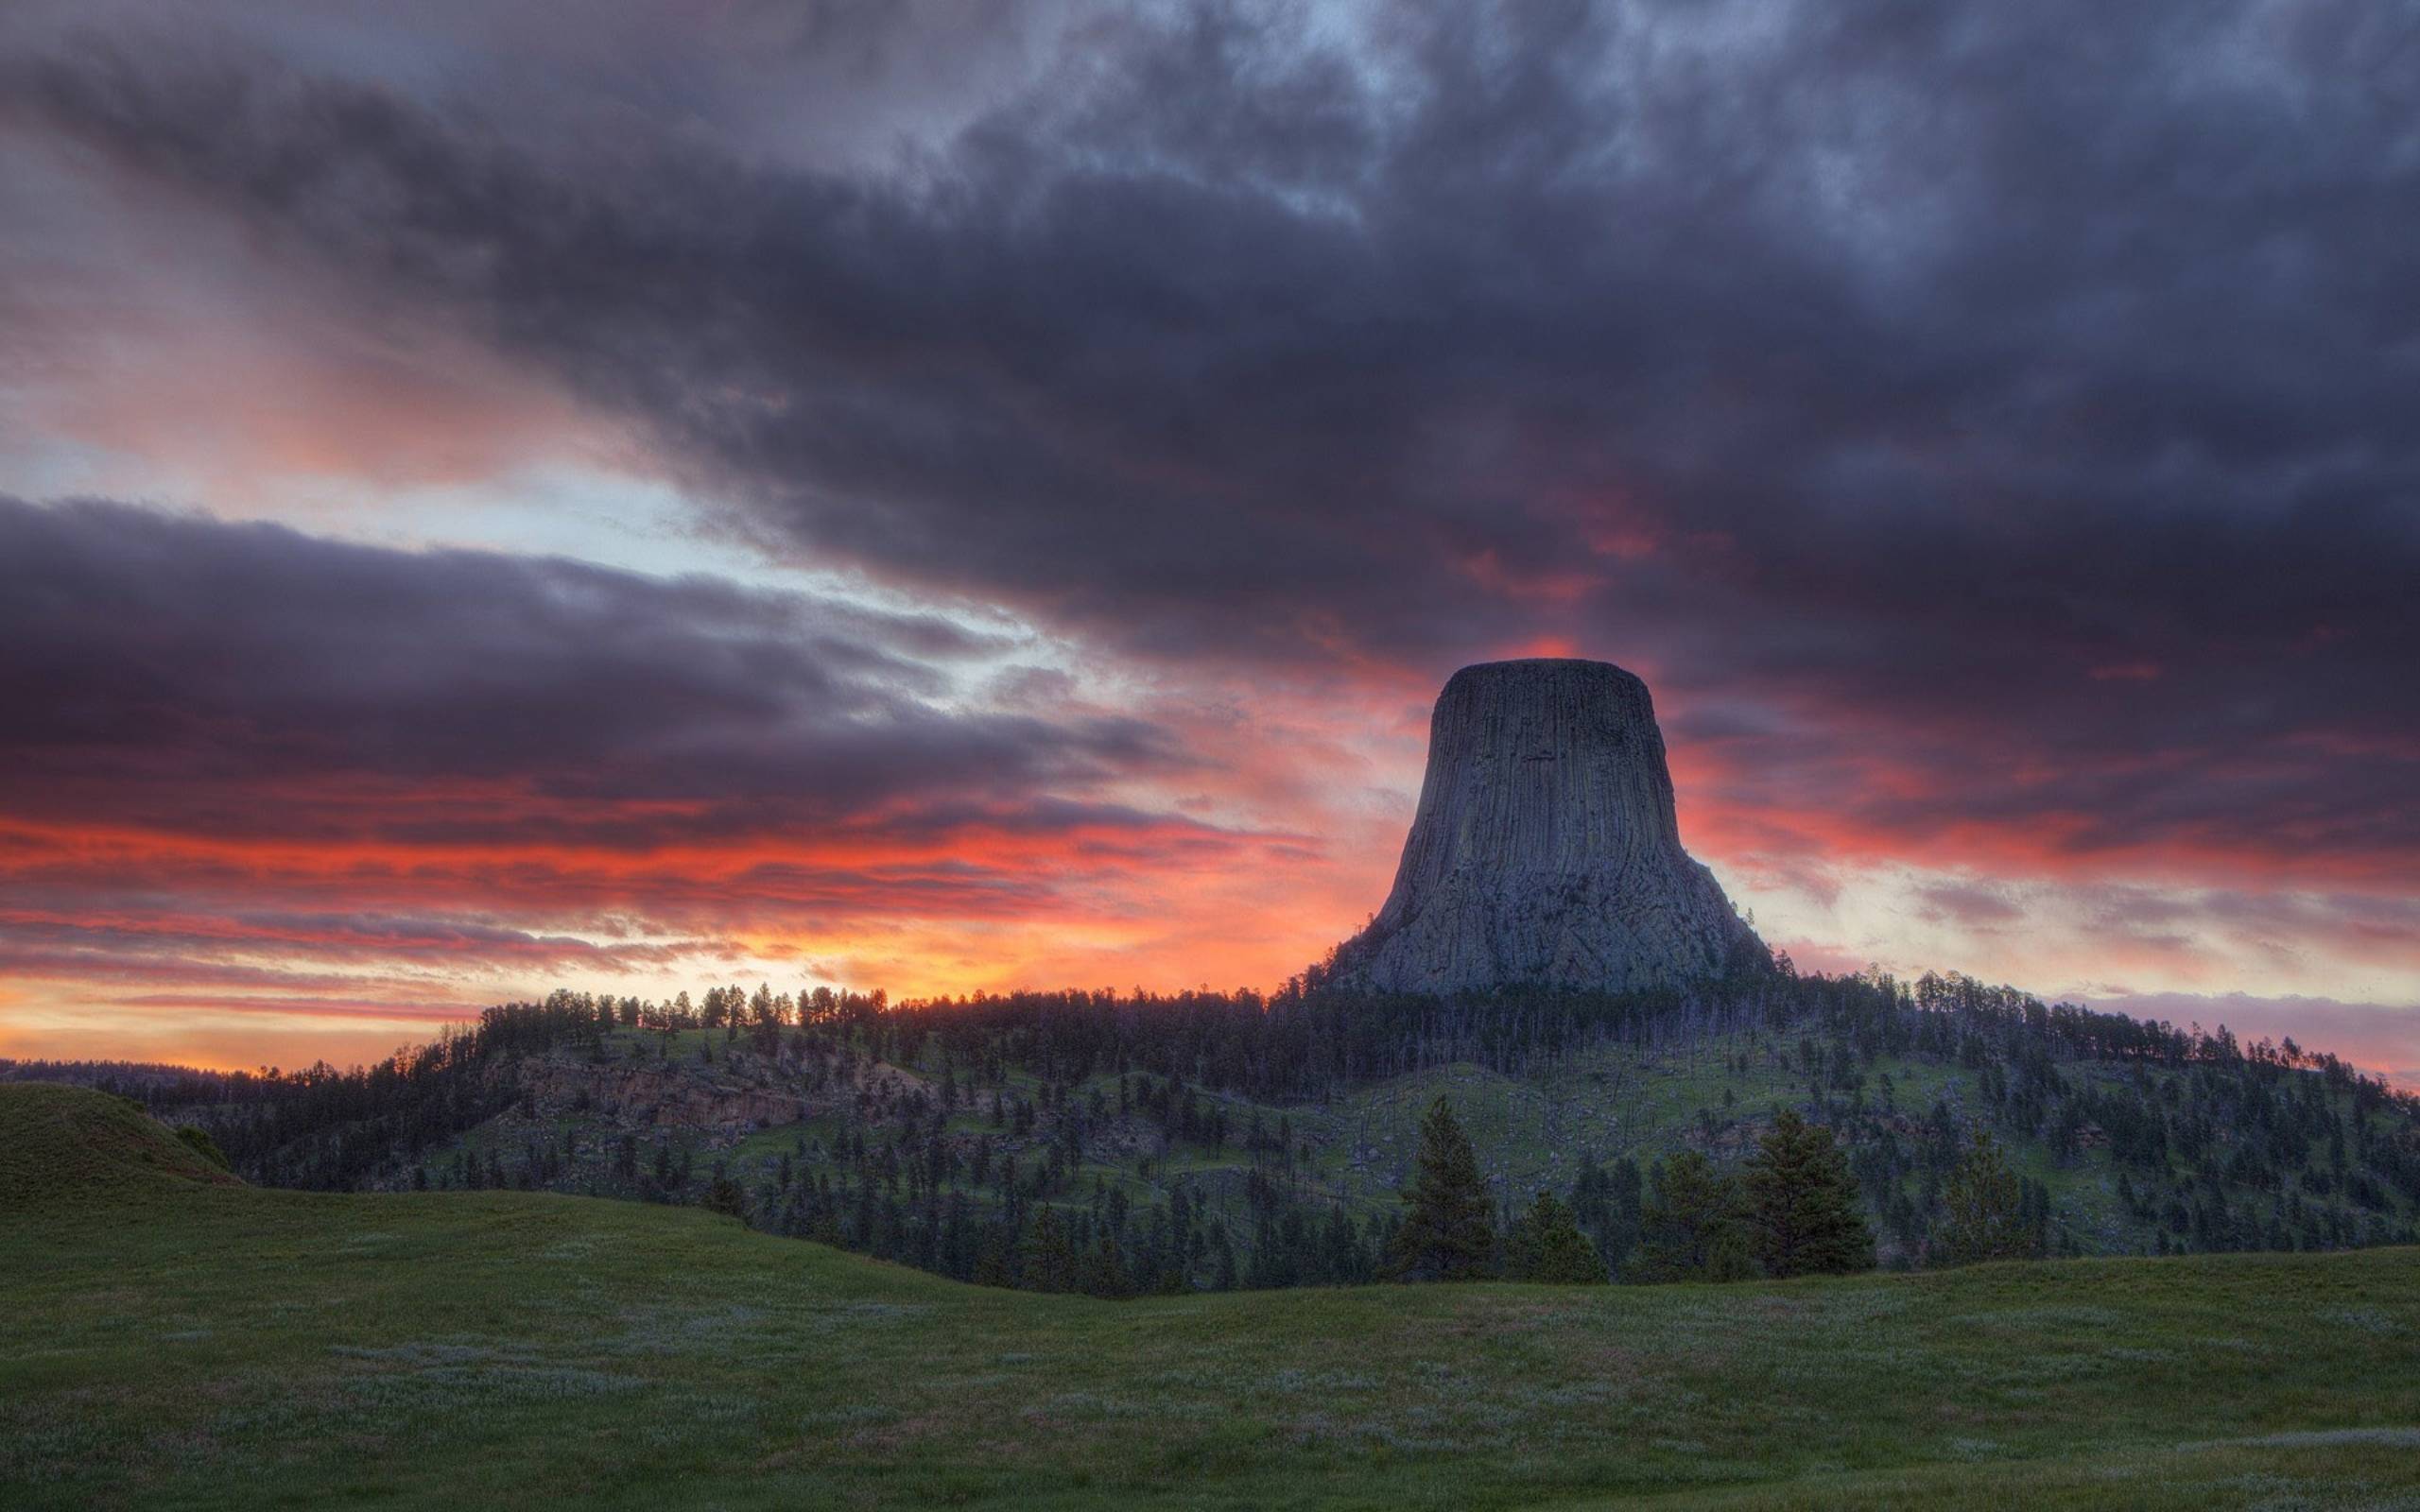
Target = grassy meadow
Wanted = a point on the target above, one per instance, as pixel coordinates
(167, 1340)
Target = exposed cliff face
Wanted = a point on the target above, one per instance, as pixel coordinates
(738, 1094)
(1544, 849)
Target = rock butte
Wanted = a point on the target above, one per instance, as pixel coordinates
(1545, 852)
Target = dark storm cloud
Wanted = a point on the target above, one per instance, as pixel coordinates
(176, 672)
(2015, 398)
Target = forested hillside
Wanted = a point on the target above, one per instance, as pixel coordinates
(1119, 1144)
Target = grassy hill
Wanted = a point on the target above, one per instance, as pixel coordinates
(67, 1148)
(166, 1340)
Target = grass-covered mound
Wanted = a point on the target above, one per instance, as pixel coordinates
(66, 1145)
(172, 1343)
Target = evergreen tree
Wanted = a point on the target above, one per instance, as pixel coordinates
(1224, 1279)
(1986, 1217)
(1546, 1246)
(1689, 1226)
(1341, 1260)
(1518, 1260)
(724, 1196)
(1050, 1264)
(1105, 1270)
(1803, 1213)
(1447, 1234)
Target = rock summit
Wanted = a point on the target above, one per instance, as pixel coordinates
(1545, 852)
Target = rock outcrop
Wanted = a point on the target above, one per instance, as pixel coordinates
(1545, 852)
(739, 1093)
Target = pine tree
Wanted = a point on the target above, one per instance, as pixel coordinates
(1105, 1270)
(1986, 1205)
(1051, 1264)
(1447, 1234)
(1519, 1261)
(1689, 1226)
(1224, 1279)
(724, 1196)
(993, 1257)
(1804, 1217)
(1546, 1246)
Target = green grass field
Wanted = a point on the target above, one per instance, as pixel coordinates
(169, 1341)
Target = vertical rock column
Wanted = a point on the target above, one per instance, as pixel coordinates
(1544, 850)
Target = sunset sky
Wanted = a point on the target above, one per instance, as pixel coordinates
(965, 495)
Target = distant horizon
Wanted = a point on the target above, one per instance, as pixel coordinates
(2402, 1079)
(960, 502)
